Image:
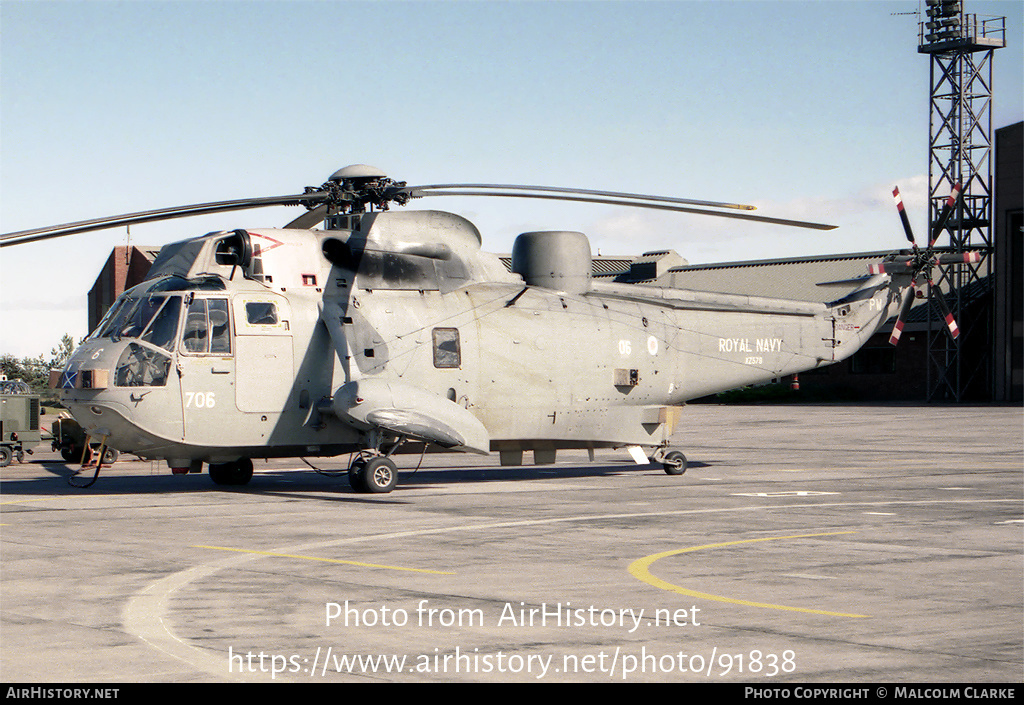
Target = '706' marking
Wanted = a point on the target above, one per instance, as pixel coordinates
(199, 400)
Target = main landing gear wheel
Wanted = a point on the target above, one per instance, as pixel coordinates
(356, 476)
(374, 475)
(674, 463)
(236, 473)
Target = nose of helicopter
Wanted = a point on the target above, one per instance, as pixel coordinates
(104, 386)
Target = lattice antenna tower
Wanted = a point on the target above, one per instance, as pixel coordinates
(960, 152)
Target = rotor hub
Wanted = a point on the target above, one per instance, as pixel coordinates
(353, 188)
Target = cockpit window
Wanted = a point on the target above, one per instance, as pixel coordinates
(112, 323)
(139, 316)
(206, 327)
(220, 336)
(131, 315)
(163, 330)
(141, 367)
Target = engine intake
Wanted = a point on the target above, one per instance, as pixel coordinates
(553, 259)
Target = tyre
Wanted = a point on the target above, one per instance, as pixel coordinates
(356, 478)
(380, 475)
(243, 471)
(5, 456)
(236, 473)
(674, 463)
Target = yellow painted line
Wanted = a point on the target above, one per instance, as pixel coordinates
(640, 569)
(326, 560)
(39, 499)
(62, 496)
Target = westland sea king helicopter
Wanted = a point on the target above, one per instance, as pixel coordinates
(357, 329)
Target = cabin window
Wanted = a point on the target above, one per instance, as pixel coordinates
(447, 352)
(261, 313)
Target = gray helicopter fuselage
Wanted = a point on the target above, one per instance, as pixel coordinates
(267, 343)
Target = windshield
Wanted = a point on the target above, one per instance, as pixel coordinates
(153, 318)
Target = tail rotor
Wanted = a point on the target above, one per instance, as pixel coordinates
(919, 263)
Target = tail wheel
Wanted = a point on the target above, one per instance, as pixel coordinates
(674, 463)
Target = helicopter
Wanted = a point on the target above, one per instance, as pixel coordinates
(361, 329)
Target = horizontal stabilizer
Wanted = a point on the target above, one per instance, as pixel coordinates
(855, 281)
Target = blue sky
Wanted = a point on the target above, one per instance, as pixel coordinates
(810, 110)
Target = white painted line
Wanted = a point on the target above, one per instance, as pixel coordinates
(794, 493)
(808, 576)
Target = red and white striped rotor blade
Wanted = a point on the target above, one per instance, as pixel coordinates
(897, 329)
(903, 215)
(899, 265)
(947, 315)
(947, 210)
(958, 258)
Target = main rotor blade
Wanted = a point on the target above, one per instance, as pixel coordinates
(566, 196)
(23, 236)
(308, 219)
(454, 190)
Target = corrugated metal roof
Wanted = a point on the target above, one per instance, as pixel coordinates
(795, 278)
(799, 278)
